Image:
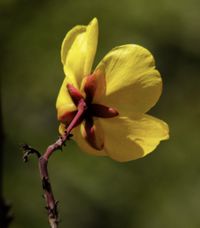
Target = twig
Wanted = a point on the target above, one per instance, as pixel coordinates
(51, 203)
(28, 151)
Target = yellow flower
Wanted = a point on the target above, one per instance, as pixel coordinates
(117, 94)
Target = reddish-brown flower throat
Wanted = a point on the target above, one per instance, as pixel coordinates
(90, 110)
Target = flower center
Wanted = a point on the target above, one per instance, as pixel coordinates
(90, 110)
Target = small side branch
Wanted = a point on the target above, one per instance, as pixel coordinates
(28, 151)
(51, 203)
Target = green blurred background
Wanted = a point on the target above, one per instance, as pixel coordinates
(160, 190)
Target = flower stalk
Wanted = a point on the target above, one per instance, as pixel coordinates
(51, 203)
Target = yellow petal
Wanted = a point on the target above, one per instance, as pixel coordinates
(124, 139)
(117, 145)
(147, 131)
(64, 102)
(133, 85)
(78, 51)
(101, 85)
(128, 139)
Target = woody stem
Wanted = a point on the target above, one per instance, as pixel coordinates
(51, 203)
(43, 162)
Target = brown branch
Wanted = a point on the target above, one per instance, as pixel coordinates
(6, 215)
(51, 203)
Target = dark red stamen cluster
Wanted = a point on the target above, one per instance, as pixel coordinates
(91, 110)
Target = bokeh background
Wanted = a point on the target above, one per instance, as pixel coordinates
(160, 190)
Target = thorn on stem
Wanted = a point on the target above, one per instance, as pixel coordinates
(53, 212)
(45, 184)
